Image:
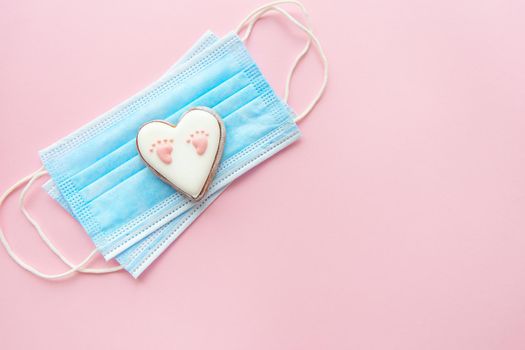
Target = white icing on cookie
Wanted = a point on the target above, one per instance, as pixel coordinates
(186, 155)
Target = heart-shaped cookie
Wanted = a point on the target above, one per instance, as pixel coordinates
(185, 156)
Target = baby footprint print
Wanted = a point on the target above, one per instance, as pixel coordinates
(199, 140)
(163, 149)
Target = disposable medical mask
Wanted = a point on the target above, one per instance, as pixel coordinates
(129, 212)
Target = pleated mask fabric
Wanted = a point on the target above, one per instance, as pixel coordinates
(107, 187)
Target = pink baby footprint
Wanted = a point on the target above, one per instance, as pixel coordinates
(199, 140)
(163, 149)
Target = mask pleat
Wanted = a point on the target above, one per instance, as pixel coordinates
(128, 151)
(176, 101)
(120, 174)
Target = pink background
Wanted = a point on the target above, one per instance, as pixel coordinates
(397, 222)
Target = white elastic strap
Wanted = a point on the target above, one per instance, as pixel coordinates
(74, 268)
(46, 239)
(257, 13)
(261, 12)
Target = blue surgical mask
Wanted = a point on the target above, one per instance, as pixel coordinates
(127, 211)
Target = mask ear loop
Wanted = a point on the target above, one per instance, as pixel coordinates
(74, 268)
(46, 240)
(261, 11)
(256, 14)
